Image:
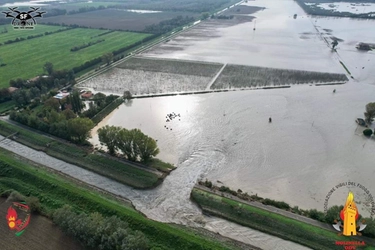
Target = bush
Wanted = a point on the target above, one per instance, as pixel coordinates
(367, 132)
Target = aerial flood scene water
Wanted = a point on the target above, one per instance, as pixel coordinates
(312, 144)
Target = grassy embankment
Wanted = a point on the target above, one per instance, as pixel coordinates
(109, 167)
(265, 221)
(53, 192)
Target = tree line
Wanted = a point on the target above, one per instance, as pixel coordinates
(132, 144)
(168, 25)
(85, 45)
(94, 231)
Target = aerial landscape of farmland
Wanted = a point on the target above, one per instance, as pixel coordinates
(187, 124)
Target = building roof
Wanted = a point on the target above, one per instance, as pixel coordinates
(87, 94)
(12, 89)
(61, 95)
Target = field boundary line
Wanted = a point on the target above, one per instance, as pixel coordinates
(215, 77)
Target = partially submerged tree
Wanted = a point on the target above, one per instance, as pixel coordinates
(370, 112)
(334, 44)
(108, 137)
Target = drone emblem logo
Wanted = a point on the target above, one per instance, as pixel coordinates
(23, 20)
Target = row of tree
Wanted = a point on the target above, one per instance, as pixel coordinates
(132, 144)
(97, 232)
(168, 25)
(85, 45)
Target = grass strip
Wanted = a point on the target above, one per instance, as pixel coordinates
(116, 170)
(53, 191)
(268, 222)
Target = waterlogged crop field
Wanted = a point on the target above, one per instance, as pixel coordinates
(31, 55)
(239, 76)
(153, 76)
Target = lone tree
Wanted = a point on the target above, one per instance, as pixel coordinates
(107, 58)
(370, 112)
(334, 44)
(127, 95)
(48, 67)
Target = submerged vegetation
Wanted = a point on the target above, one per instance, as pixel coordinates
(238, 76)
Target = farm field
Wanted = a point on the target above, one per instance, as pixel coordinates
(31, 55)
(40, 234)
(117, 19)
(13, 34)
(239, 76)
(152, 76)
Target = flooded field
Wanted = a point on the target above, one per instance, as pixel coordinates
(313, 143)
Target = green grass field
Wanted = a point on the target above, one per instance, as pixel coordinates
(13, 34)
(54, 191)
(25, 59)
(271, 223)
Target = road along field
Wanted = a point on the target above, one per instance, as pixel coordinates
(117, 19)
(25, 59)
(152, 76)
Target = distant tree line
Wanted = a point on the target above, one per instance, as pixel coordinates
(222, 17)
(168, 25)
(94, 231)
(174, 5)
(314, 10)
(85, 45)
(86, 9)
(105, 33)
(55, 12)
(19, 39)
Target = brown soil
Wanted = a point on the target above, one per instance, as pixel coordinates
(40, 234)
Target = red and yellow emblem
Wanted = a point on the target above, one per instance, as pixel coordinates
(18, 221)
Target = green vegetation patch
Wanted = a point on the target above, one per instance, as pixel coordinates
(53, 191)
(239, 76)
(31, 55)
(172, 66)
(68, 152)
(267, 222)
(5, 106)
(12, 34)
